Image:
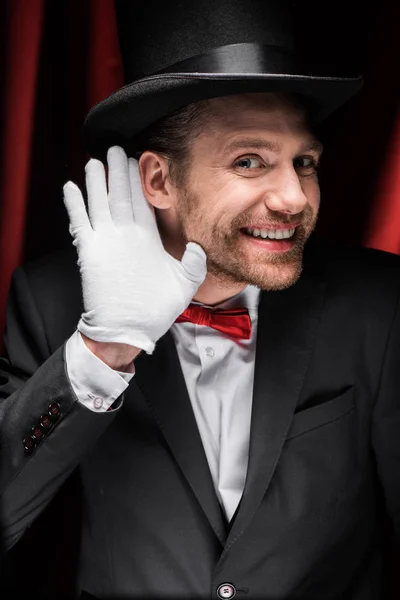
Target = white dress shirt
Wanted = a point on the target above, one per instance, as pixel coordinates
(219, 376)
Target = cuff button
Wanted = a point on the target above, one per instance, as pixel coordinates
(37, 433)
(29, 444)
(45, 421)
(54, 411)
(98, 402)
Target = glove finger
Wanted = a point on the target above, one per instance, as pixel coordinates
(119, 197)
(194, 263)
(96, 185)
(76, 208)
(143, 212)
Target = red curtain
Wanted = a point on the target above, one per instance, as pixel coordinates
(24, 32)
(60, 58)
(383, 229)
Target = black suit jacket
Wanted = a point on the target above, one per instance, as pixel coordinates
(324, 450)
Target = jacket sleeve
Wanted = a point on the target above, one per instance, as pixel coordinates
(385, 426)
(44, 430)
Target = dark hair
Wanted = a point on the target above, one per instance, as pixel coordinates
(172, 137)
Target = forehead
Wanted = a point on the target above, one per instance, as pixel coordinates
(262, 112)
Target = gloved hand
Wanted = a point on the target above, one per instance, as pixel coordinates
(133, 290)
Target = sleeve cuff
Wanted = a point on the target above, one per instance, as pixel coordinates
(95, 384)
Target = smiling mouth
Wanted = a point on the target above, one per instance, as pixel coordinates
(270, 234)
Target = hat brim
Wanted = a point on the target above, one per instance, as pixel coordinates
(126, 113)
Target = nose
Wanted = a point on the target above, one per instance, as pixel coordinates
(286, 195)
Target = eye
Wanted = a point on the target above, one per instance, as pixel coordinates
(306, 164)
(248, 162)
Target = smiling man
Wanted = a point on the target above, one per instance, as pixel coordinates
(248, 193)
(223, 381)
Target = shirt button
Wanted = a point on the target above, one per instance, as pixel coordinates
(210, 351)
(98, 402)
(226, 590)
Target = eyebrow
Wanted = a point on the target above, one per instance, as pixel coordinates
(262, 144)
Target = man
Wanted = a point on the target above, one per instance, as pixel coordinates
(252, 449)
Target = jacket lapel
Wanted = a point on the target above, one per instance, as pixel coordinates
(287, 326)
(162, 383)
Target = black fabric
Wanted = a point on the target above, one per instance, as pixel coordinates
(155, 36)
(250, 58)
(123, 116)
(237, 58)
(182, 52)
(324, 451)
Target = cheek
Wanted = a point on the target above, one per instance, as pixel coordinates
(220, 201)
(236, 196)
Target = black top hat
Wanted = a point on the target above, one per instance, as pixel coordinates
(176, 53)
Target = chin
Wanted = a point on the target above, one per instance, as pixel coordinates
(279, 285)
(267, 277)
(278, 281)
(273, 277)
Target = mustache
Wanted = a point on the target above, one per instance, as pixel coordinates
(303, 218)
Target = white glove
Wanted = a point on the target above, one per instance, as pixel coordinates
(133, 290)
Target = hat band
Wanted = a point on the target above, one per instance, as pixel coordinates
(238, 58)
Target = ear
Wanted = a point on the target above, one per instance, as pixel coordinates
(154, 174)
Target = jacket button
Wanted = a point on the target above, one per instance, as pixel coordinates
(226, 590)
(54, 411)
(37, 433)
(29, 444)
(45, 421)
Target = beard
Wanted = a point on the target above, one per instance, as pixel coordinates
(231, 260)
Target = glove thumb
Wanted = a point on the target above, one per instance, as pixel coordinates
(194, 263)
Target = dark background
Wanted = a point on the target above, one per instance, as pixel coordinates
(77, 65)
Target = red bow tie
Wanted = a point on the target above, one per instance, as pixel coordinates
(236, 323)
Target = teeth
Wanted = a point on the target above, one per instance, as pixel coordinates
(272, 234)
